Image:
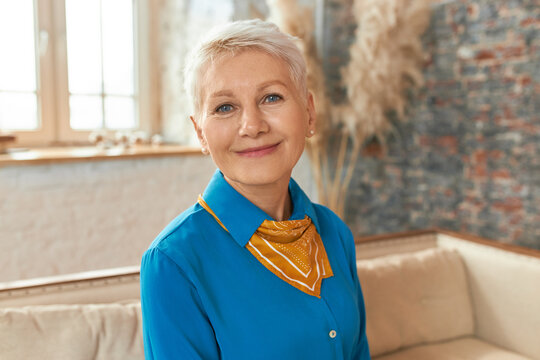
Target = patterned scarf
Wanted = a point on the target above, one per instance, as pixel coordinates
(291, 249)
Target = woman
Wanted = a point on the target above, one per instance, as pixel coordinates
(253, 270)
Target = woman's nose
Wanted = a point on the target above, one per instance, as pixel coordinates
(253, 122)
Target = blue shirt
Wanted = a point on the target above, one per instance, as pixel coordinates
(205, 296)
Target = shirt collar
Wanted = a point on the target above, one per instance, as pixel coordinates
(240, 216)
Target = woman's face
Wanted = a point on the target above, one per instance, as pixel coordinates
(252, 119)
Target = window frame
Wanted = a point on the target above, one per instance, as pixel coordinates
(52, 76)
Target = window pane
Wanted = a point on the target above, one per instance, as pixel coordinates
(18, 111)
(84, 46)
(17, 62)
(119, 112)
(86, 112)
(100, 39)
(117, 26)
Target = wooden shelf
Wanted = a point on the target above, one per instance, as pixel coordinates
(90, 153)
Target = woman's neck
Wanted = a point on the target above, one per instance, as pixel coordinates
(273, 199)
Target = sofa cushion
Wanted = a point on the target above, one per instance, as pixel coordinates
(458, 349)
(415, 298)
(101, 331)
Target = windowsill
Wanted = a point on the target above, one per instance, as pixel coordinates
(49, 155)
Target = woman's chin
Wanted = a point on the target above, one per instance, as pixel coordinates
(271, 169)
(259, 176)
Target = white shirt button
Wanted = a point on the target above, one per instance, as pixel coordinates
(332, 333)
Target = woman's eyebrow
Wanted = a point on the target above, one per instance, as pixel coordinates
(270, 83)
(221, 93)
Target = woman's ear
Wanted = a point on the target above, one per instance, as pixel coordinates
(200, 135)
(312, 115)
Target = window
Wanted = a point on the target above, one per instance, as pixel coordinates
(74, 66)
(18, 77)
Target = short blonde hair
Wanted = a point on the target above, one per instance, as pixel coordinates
(236, 37)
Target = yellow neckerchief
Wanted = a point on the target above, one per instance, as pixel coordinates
(291, 249)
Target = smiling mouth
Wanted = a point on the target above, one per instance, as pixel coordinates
(258, 151)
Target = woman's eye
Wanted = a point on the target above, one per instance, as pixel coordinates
(224, 108)
(272, 98)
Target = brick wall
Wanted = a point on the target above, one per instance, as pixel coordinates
(469, 157)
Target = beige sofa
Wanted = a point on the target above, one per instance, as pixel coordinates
(441, 295)
(429, 295)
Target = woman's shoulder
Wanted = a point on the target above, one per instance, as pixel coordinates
(333, 227)
(181, 235)
(325, 215)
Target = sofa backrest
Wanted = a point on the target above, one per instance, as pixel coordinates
(92, 287)
(395, 245)
(415, 298)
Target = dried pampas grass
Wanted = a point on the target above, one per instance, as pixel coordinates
(384, 62)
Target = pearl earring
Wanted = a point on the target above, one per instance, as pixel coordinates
(204, 150)
(311, 132)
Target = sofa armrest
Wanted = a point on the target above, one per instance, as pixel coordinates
(505, 292)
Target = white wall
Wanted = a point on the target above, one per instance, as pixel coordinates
(71, 217)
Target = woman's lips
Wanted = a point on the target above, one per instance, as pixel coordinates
(258, 151)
